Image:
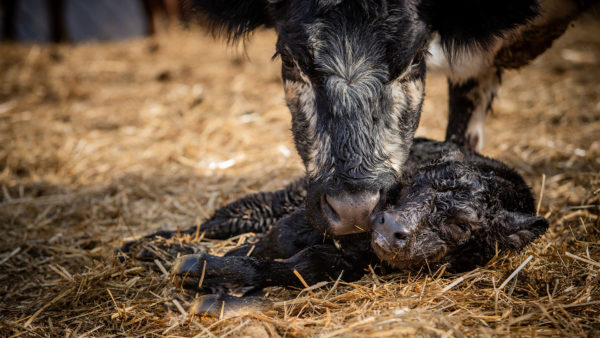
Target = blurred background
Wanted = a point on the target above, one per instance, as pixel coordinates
(79, 21)
(122, 117)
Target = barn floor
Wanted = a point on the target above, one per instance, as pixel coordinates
(103, 143)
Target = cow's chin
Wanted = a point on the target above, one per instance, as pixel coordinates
(403, 259)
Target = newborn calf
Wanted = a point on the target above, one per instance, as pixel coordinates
(450, 206)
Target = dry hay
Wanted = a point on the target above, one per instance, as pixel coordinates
(103, 143)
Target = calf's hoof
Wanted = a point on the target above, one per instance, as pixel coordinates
(188, 272)
(226, 306)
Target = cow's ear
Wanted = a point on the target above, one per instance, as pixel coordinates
(514, 230)
(467, 23)
(235, 19)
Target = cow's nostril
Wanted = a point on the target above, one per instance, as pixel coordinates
(349, 213)
(328, 210)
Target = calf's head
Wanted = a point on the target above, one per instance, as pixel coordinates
(457, 212)
(353, 72)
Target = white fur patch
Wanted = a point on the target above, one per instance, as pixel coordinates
(474, 133)
(300, 97)
(464, 64)
(467, 64)
(488, 86)
(407, 98)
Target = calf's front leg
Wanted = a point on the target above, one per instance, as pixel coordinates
(253, 213)
(285, 239)
(314, 264)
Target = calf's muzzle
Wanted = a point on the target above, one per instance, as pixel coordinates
(389, 233)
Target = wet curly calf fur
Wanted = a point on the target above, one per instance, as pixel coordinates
(452, 206)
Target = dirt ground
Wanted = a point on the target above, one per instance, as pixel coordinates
(102, 143)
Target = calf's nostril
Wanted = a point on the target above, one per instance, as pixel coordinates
(400, 236)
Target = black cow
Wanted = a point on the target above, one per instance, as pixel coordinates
(354, 72)
(451, 206)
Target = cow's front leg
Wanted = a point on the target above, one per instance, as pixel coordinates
(469, 102)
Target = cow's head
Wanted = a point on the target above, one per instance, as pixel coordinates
(354, 72)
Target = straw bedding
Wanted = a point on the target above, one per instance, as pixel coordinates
(104, 143)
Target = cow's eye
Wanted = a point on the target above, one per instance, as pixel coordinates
(418, 59)
(288, 64)
(286, 59)
(397, 72)
(285, 55)
(289, 67)
(415, 65)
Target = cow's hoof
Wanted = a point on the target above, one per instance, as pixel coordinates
(226, 306)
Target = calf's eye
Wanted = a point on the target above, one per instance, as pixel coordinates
(458, 232)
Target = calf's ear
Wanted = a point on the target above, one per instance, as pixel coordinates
(514, 230)
(468, 23)
(454, 155)
(234, 19)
